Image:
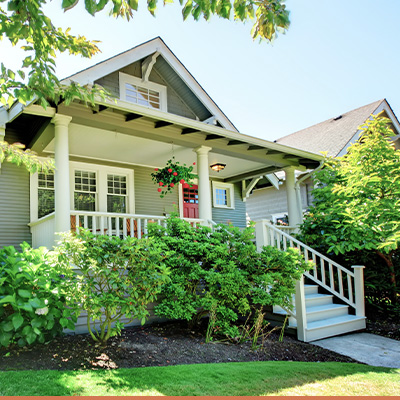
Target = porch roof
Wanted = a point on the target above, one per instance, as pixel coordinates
(248, 156)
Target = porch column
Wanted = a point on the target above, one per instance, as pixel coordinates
(204, 191)
(61, 178)
(293, 208)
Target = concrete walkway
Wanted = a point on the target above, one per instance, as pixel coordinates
(370, 349)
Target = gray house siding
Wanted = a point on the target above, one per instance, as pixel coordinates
(175, 104)
(236, 216)
(147, 199)
(262, 203)
(14, 201)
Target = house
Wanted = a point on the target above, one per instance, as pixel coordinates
(104, 156)
(334, 136)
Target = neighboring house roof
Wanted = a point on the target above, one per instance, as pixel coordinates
(168, 63)
(336, 134)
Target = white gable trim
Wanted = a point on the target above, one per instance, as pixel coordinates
(384, 106)
(92, 74)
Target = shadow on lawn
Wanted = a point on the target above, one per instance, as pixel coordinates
(233, 379)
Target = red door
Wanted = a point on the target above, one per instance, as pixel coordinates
(190, 202)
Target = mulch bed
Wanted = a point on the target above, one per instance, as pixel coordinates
(156, 345)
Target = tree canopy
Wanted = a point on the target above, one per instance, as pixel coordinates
(357, 198)
(24, 23)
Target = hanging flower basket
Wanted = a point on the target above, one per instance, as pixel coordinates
(172, 174)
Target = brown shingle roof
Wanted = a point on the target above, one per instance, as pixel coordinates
(331, 135)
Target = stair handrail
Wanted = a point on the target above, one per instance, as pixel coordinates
(268, 234)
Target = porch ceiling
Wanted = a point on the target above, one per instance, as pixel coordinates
(123, 132)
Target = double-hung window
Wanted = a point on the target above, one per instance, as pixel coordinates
(85, 191)
(117, 193)
(45, 194)
(142, 93)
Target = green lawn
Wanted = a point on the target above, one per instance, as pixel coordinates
(234, 379)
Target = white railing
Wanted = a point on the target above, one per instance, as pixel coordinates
(346, 285)
(43, 231)
(122, 225)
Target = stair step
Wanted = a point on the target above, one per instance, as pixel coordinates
(326, 311)
(317, 299)
(309, 289)
(334, 326)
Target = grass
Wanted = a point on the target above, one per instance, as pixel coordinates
(233, 379)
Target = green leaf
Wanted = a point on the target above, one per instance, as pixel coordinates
(36, 303)
(8, 299)
(17, 321)
(24, 293)
(5, 338)
(68, 4)
(31, 337)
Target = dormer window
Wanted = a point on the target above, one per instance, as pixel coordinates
(142, 93)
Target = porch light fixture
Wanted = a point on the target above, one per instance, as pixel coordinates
(217, 167)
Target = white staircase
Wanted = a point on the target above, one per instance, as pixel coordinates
(333, 304)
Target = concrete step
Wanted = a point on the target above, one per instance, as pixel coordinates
(326, 311)
(317, 299)
(334, 326)
(310, 289)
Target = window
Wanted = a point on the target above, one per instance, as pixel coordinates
(85, 191)
(45, 194)
(223, 195)
(147, 94)
(116, 194)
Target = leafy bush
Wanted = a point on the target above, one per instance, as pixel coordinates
(115, 278)
(32, 307)
(221, 270)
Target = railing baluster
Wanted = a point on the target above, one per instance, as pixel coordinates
(139, 228)
(117, 226)
(322, 263)
(349, 288)
(314, 258)
(284, 243)
(132, 230)
(124, 222)
(110, 227)
(145, 227)
(102, 231)
(85, 222)
(340, 282)
(331, 279)
(94, 225)
(278, 241)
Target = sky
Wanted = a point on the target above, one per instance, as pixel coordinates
(336, 56)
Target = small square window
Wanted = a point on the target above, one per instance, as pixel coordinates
(223, 195)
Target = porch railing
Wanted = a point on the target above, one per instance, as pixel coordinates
(99, 223)
(346, 285)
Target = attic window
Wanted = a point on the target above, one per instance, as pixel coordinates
(143, 93)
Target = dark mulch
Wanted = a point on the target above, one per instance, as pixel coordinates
(383, 323)
(156, 345)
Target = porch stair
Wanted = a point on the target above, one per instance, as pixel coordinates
(324, 317)
(330, 303)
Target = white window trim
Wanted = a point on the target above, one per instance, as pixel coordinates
(101, 190)
(125, 78)
(229, 187)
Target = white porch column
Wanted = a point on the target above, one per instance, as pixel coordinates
(61, 178)
(293, 208)
(205, 210)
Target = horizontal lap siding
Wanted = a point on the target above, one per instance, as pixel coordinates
(175, 104)
(14, 201)
(237, 216)
(147, 199)
(263, 203)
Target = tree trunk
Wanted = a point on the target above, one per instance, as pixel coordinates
(392, 274)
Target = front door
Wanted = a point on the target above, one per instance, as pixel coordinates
(191, 202)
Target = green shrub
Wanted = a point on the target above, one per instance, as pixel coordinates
(31, 300)
(115, 278)
(221, 270)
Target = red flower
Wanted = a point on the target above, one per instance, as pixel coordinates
(159, 189)
(169, 170)
(172, 184)
(194, 163)
(160, 183)
(175, 174)
(155, 169)
(182, 181)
